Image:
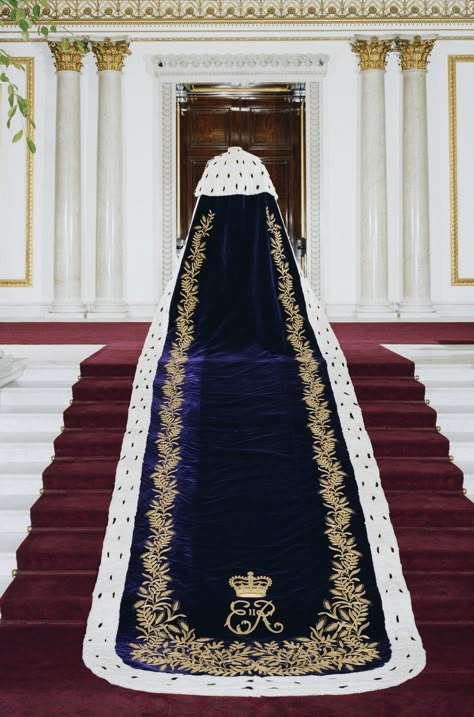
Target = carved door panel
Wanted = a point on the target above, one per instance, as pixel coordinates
(269, 124)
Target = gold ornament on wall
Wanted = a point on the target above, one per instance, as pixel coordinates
(67, 55)
(372, 53)
(414, 54)
(249, 11)
(110, 55)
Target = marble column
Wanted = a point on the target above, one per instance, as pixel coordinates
(373, 298)
(109, 290)
(414, 54)
(67, 193)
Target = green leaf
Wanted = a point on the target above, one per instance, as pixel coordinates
(53, 28)
(44, 30)
(5, 60)
(11, 114)
(22, 105)
(18, 136)
(36, 10)
(31, 145)
(64, 44)
(4, 77)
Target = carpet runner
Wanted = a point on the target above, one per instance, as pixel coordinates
(44, 609)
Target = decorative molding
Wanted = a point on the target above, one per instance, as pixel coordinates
(372, 52)
(313, 184)
(173, 69)
(27, 281)
(456, 279)
(109, 54)
(67, 58)
(210, 64)
(168, 193)
(414, 53)
(252, 11)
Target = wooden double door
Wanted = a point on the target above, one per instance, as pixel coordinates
(268, 123)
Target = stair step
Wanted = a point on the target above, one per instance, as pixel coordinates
(428, 509)
(68, 595)
(89, 509)
(110, 389)
(79, 443)
(402, 443)
(59, 549)
(12, 419)
(88, 473)
(14, 520)
(383, 364)
(97, 415)
(452, 422)
(452, 374)
(432, 549)
(16, 451)
(388, 389)
(419, 474)
(442, 396)
(5, 581)
(48, 373)
(396, 473)
(9, 543)
(14, 395)
(18, 484)
(401, 414)
(49, 596)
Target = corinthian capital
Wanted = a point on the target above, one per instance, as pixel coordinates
(414, 54)
(67, 55)
(110, 55)
(372, 52)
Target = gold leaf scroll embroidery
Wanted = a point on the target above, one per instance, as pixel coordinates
(167, 642)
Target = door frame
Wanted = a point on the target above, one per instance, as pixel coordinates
(170, 70)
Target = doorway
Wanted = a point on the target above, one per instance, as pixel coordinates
(267, 120)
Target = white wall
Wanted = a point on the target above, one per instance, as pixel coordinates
(339, 173)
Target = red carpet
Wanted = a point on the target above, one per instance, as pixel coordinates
(44, 610)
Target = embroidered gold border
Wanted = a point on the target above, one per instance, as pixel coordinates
(29, 64)
(338, 640)
(456, 280)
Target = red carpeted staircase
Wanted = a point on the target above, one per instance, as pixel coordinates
(45, 608)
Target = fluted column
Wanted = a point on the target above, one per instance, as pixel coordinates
(109, 298)
(373, 251)
(414, 54)
(67, 191)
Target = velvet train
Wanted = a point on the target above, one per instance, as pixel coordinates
(249, 549)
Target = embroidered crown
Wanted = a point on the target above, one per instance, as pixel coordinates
(250, 586)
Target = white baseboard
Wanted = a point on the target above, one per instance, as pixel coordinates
(464, 311)
(40, 312)
(343, 311)
(443, 311)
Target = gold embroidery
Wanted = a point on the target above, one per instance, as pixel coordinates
(260, 610)
(342, 622)
(250, 585)
(338, 640)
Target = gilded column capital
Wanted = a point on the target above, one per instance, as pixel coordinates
(414, 54)
(372, 52)
(67, 55)
(110, 55)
